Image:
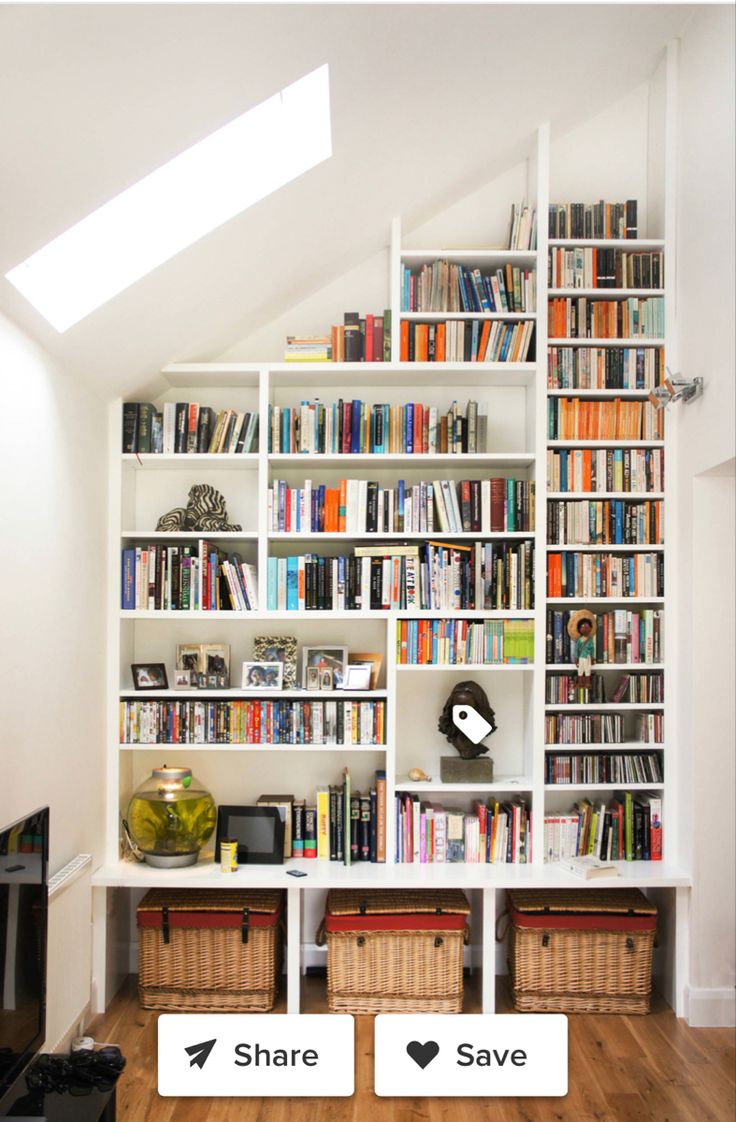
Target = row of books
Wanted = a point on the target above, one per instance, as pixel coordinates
(605, 469)
(442, 287)
(570, 418)
(622, 636)
(432, 576)
(628, 828)
(459, 340)
(493, 833)
(185, 578)
(563, 689)
(455, 642)
(257, 721)
(355, 426)
(343, 825)
(357, 339)
(522, 227)
(604, 574)
(605, 368)
(601, 728)
(604, 522)
(597, 267)
(603, 767)
(593, 220)
(582, 317)
(187, 427)
(360, 506)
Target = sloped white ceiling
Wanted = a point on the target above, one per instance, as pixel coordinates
(427, 101)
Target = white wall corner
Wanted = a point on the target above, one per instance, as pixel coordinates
(710, 1008)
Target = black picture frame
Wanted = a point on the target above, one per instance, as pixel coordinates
(149, 676)
(243, 823)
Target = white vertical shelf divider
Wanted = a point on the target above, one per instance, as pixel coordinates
(395, 289)
(540, 525)
(114, 626)
(264, 398)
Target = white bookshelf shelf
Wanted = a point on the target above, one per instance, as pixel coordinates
(636, 341)
(627, 496)
(631, 244)
(363, 874)
(175, 536)
(623, 600)
(234, 694)
(605, 394)
(605, 293)
(604, 786)
(192, 461)
(441, 317)
(466, 667)
(606, 707)
(166, 615)
(627, 746)
(603, 547)
(598, 666)
(505, 784)
(473, 257)
(605, 444)
(342, 749)
(413, 536)
(420, 459)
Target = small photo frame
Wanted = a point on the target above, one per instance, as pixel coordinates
(185, 680)
(325, 658)
(189, 657)
(216, 664)
(149, 676)
(368, 658)
(312, 678)
(278, 648)
(357, 677)
(326, 679)
(262, 675)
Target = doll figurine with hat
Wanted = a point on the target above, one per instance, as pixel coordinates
(581, 627)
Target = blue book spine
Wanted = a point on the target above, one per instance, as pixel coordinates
(272, 584)
(285, 429)
(409, 428)
(400, 505)
(618, 514)
(128, 580)
(474, 339)
(282, 505)
(292, 584)
(320, 523)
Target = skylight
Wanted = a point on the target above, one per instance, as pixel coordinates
(171, 208)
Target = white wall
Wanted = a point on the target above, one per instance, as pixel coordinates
(704, 443)
(52, 621)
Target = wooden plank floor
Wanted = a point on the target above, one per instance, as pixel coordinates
(622, 1069)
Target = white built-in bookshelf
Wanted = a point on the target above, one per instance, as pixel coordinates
(515, 396)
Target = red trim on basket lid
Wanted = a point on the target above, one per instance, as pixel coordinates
(600, 921)
(207, 919)
(416, 921)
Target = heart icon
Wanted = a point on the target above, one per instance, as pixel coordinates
(423, 1054)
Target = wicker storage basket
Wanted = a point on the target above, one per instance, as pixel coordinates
(582, 951)
(395, 952)
(209, 951)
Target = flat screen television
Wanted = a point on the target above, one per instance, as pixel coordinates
(24, 852)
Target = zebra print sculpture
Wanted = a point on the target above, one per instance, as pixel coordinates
(205, 511)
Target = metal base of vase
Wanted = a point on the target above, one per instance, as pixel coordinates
(175, 861)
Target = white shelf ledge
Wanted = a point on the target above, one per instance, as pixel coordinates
(597, 666)
(593, 393)
(181, 748)
(379, 537)
(387, 613)
(470, 257)
(636, 341)
(604, 547)
(626, 746)
(434, 317)
(377, 459)
(605, 707)
(192, 461)
(605, 599)
(633, 244)
(465, 667)
(604, 786)
(507, 784)
(191, 535)
(606, 293)
(253, 695)
(605, 443)
(330, 874)
(628, 496)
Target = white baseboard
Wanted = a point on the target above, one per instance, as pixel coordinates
(80, 1022)
(710, 1008)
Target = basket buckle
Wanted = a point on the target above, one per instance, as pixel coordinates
(360, 940)
(438, 941)
(244, 925)
(545, 939)
(629, 943)
(165, 923)
(362, 908)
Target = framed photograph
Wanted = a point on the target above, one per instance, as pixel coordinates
(189, 657)
(326, 679)
(149, 676)
(216, 664)
(368, 658)
(312, 681)
(357, 677)
(278, 648)
(185, 680)
(258, 830)
(325, 658)
(262, 675)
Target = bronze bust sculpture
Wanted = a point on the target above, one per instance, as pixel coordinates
(474, 697)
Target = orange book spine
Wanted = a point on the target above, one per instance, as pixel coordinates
(404, 338)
